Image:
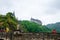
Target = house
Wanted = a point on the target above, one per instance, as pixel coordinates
(36, 21)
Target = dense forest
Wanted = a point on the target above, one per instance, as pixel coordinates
(9, 23)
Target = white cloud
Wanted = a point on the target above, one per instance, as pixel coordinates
(45, 10)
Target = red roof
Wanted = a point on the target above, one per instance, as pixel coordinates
(54, 31)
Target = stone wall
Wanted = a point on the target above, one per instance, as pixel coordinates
(29, 36)
(34, 36)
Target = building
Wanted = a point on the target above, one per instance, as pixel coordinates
(36, 21)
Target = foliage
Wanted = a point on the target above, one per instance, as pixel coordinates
(8, 21)
(55, 26)
(33, 27)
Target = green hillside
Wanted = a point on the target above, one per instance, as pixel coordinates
(55, 26)
(9, 22)
(33, 27)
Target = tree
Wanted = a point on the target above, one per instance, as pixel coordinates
(12, 21)
(33, 27)
(8, 21)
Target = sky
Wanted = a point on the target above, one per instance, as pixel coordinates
(48, 11)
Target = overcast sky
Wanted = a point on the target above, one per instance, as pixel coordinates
(48, 11)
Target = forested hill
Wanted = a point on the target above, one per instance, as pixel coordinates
(9, 23)
(29, 26)
(55, 26)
